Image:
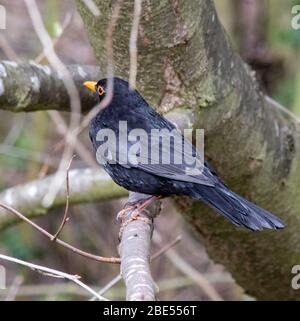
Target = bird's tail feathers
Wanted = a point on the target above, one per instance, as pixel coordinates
(237, 209)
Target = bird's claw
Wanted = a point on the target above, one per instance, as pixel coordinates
(126, 209)
(134, 216)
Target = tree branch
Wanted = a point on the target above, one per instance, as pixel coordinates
(136, 232)
(58, 241)
(85, 185)
(191, 272)
(30, 87)
(53, 273)
(118, 278)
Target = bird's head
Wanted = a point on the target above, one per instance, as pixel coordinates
(96, 87)
(120, 87)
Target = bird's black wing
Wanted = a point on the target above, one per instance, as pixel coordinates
(190, 168)
(151, 151)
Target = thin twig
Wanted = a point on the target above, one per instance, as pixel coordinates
(166, 248)
(65, 217)
(191, 272)
(86, 185)
(14, 288)
(110, 67)
(62, 129)
(16, 129)
(62, 243)
(90, 4)
(57, 289)
(277, 105)
(44, 170)
(8, 50)
(109, 285)
(53, 273)
(133, 43)
(66, 23)
(55, 116)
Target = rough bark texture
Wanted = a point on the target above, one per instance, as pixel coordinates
(185, 61)
(29, 87)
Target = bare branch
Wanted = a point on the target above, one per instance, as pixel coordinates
(277, 105)
(188, 270)
(40, 290)
(133, 43)
(30, 87)
(54, 273)
(60, 242)
(136, 227)
(118, 278)
(55, 148)
(166, 248)
(86, 185)
(110, 66)
(90, 4)
(56, 63)
(62, 129)
(14, 288)
(65, 217)
(8, 50)
(66, 23)
(16, 129)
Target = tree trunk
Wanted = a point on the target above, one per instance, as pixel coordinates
(186, 62)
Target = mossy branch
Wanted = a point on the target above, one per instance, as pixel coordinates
(31, 87)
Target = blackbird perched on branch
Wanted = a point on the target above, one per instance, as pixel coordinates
(147, 172)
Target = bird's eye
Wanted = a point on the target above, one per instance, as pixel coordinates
(100, 90)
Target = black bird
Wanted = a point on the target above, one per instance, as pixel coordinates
(154, 177)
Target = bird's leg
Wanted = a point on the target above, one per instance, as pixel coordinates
(140, 206)
(137, 207)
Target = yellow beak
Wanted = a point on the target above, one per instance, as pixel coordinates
(90, 85)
